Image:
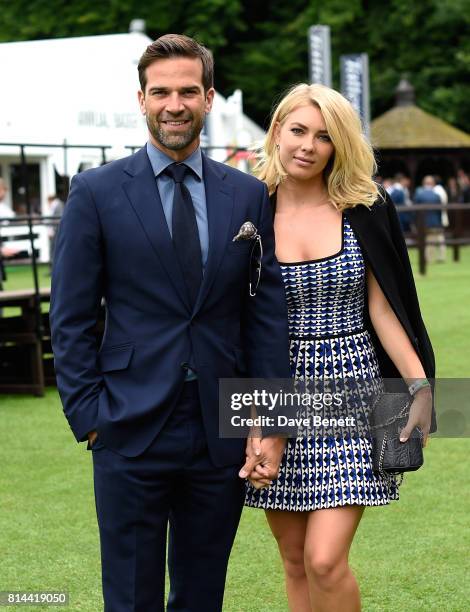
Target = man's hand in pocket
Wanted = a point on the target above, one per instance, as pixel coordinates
(92, 437)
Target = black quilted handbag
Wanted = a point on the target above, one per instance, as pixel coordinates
(389, 455)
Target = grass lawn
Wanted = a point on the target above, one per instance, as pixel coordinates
(409, 556)
(21, 277)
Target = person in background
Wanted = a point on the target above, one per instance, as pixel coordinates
(435, 239)
(5, 210)
(5, 213)
(442, 193)
(56, 209)
(464, 184)
(400, 196)
(405, 183)
(454, 195)
(396, 191)
(56, 205)
(387, 184)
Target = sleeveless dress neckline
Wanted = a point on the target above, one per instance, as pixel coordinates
(308, 261)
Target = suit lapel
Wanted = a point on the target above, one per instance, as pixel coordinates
(142, 191)
(219, 202)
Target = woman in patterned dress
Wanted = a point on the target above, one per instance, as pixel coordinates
(319, 167)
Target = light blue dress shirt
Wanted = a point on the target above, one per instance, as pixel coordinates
(195, 185)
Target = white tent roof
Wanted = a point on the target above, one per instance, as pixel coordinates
(82, 89)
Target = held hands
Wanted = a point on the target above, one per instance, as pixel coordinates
(263, 458)
(420, 415)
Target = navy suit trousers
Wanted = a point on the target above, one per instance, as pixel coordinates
(173, 483)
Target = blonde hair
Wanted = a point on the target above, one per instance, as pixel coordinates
(348, 175)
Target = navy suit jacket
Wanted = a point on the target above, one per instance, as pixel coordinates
(114, 243)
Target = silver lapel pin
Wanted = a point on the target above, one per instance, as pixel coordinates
(246, 232)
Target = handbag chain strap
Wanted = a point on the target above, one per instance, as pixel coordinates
(392, 419)
(388, 477)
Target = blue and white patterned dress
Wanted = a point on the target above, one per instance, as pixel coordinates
(325, 299)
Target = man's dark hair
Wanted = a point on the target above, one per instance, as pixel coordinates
(177, 45)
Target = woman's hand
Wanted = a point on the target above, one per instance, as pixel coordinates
(253, 459)
(262, 459)
(420, 415)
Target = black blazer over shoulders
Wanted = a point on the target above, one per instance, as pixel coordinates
(379, 234)
(381, 239)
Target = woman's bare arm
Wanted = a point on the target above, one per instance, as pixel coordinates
(399, 348)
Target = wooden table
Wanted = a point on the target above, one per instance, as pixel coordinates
(21, 341)
(24, 298)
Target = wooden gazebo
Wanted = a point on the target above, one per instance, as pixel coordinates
(411, 141)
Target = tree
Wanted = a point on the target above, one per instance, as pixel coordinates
(38, 19)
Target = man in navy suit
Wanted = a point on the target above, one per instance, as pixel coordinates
(152, 235)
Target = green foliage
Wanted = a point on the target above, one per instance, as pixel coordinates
(36, 19)
(261, 47)
(424, 39)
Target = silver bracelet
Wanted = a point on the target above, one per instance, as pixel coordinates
(417, 385)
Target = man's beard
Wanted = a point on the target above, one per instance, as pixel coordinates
(177, 140)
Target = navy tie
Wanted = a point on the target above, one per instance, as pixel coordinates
(184, 231)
